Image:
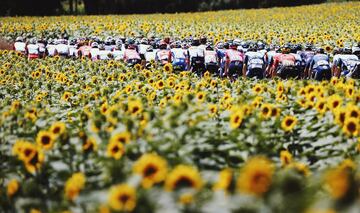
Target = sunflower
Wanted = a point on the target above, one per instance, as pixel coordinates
(256, 176)
(236, 119)
(349, 91)
(12, 187)
(89, 145)
(351, 126)
(152, 168)
(74, 185)
(183, 177)
(58, 128)
(334, 102)
(285, 157)
(337, 182)
(66, 96)
(122, 197)
(288, 123)
(168, 67)
(321, 106)
(340, 115)
(45, 139)
(201, 96)
(115, 150)
(34, 164)
(122, 137)
(266, 111)
(135, 107)
(224, 181)
(257, 89)
(212, 109)
(352, 111)
(160, 85)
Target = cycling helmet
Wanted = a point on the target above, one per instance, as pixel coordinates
(33, 41)
(162, 45)
(94, 45)
(286, 49)
(195, 42)
(233, 46)
(19, 39)
(320, 50)
(203, 40)
(209, 47)
(309, 47)
(260, 45)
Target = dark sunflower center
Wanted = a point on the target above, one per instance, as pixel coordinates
(135, 109)
(115, 149)
(200, 96)
(237, 119)
(273, 112)
(289, 122)
(321, 106)
(354, 114)
(150, 171)
(56, 130)
(265, 110)
(45, 140)
(124, 198)
(335, 104)
(342, 117)
(27, 152)
(351, 127)
(184, 182)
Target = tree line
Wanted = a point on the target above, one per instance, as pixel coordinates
(55, 7)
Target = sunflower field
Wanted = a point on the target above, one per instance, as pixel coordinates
(83, 136)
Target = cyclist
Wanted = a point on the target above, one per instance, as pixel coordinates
(234, 62)
(319, 66)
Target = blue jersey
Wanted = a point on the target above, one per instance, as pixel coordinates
(319, 60)
(221, 56)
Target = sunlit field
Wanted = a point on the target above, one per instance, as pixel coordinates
(84, 136)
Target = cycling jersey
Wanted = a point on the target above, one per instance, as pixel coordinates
(234, 56)
(162, 56)
(104, 54)
(20, 47)
(254, 60)
(62, 49)
(94, 52)
(33, 51)
(210, 57)
(130, 54)
(283, 60)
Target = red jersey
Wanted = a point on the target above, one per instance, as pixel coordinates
(233, 55)
(131, 54)
(284, 59)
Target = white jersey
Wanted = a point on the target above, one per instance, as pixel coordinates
(178, 53)
(42, 48)
(196, 52)
(150, 56)
(202, 46)
(33, 49)
(346, 61)
(73, 50)
(210, 57)
(62, 49)
(104, 54)
(51, 49)
(109, 47)
(94, 53)
(117, 54)
(143, 48)
(20, 46)
(254, 60)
